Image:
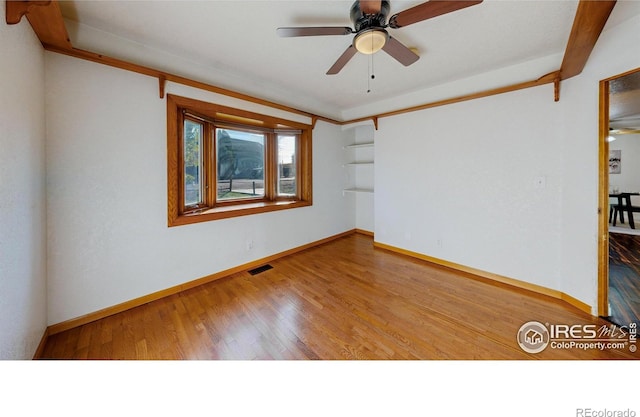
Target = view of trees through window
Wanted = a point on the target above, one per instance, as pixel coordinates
(240, 164)
(286, 165)
(192, 163)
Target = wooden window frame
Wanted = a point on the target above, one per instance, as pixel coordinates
(215, 115)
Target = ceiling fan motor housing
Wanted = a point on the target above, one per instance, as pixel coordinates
(363, 21)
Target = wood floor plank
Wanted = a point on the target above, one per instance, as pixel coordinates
(624, 278)
(341, 300)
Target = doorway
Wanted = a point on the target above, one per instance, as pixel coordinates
(619, 245)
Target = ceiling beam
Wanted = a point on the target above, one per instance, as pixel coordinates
(47, 22)
(45, 18)
(590, 19)
(16, 9)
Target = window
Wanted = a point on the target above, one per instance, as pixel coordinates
(225, 162)
(240, 164)
(287, 185)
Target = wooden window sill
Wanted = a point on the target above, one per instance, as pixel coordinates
(236, 210)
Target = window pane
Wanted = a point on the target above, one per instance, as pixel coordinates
(240, 168)
(192, 163)
(287, 165)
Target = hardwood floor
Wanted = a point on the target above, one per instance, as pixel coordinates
(340, 300)
(624, 278)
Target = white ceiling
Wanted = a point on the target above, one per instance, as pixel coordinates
(233, 44)
(624, 102)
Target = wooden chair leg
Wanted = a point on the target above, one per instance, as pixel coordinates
(610, 213)
(615, 215)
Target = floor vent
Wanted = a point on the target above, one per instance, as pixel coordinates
(260, 269)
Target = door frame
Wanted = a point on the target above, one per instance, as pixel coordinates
(603, 200)
(603, 194)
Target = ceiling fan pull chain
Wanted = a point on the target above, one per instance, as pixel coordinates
(371, 75)
(369, 71)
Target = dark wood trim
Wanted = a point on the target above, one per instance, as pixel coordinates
(235, 115)
(17, 8)
(603, 193)
(101, 59)
(615, 77)
(162, 83)
(305, 188)
(590, 19)
(117, 63)
(591, 16)
(603, 200)
(42, 344)
(173, 163)
(230, 211)
(45, 18)
(545, 79)
(177, 215)
(576, 303)
(491, 277)
(365, 232)
(588, 23)
(118, 308)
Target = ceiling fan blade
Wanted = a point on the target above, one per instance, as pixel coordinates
(313, 31)
(370, 6)
(428, 10)
(401, 53)
(342, 61)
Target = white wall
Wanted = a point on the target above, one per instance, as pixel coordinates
(459, 182)
(22, 194)
(107, 199)
(629, 177)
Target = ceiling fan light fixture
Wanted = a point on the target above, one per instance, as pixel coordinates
(370, 41)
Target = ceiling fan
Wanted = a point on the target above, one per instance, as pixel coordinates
(369, 19)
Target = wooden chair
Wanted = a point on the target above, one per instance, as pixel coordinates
(627, 207)
(614, 211)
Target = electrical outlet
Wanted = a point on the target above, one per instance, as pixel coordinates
(249, 244)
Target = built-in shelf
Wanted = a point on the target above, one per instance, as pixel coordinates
(360, 155)
(357, 190)
(359, 145)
